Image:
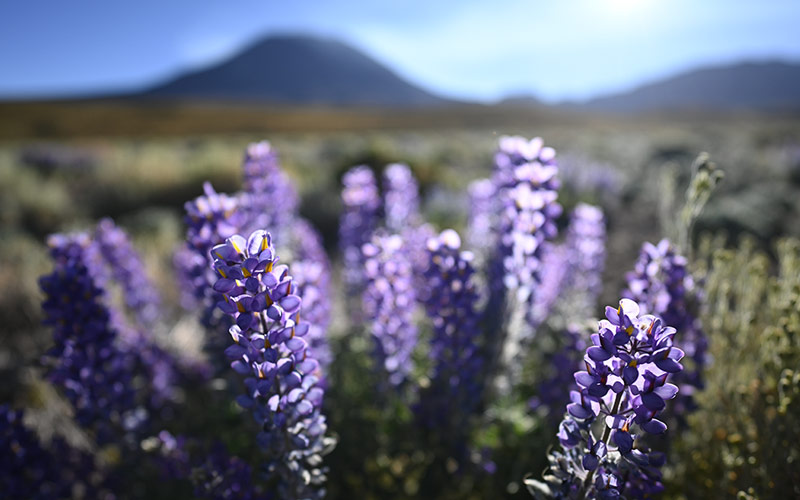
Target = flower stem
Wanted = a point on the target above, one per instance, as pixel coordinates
(605, 438)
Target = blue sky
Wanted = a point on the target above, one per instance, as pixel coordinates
(557, 49)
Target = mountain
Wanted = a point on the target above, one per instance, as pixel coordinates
(756, 86)
(298, 70)
(520, 101)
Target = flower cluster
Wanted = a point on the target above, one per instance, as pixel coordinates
(214, 473)
(85, 361)
(401, 197)
(525, 175)
(359, 220)
(311, 275)
(451, 300)
(552, 393)
(222, 476)
(555, 278)
(571, 279)
(270, 351)
(482, 216)
(127, 268)
(663, 286)
(269, 199)
(28, 470)
(210, 219)
(389, 299)
(623, 390)
(526, 187)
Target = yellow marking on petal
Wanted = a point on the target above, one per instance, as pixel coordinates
(246, 273)
(633, 363)
(222, 273)
(269, 267)
(625, 427)
(240, 307)
(629, 331)
(263, 243)
(236, 247)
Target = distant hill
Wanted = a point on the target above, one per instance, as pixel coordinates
(298, 70)
(765, 86)
(520, 101)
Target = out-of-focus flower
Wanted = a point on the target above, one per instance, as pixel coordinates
(571, 279)
(451, 302)
(215, 474)
(210, 219)
(269, 199)
(401, 197)
(28, 470)
(482, 217)
(663, 286)
(389, 300)
(311, 275)
(86, 361)
(359, 220)
(126, 267)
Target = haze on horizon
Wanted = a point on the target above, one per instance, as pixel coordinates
(466, 49)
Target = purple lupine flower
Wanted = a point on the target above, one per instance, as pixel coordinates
(553, 391)
(587, 236)
(528, 220)
(172, 455)
(359, 220)
(269, 199)
(526, 190)
(555, 277)
(215, 474)
(415, 243)
(221, 476)
(451, 301)
(211, 219)
(311, 275)
(126, 267)
(619, 396)
(482, 217)
(86, 362)
(663, 286)
(389, 299)
(571, 279)
(526, 193)
(113, 260)
(401, 197)
(29, 471)
(271, 352)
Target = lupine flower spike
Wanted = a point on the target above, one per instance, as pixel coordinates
(451, 302)
(270, 351)
(620, 394)
(389, 301)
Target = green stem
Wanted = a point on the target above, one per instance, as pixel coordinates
(606, 436)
